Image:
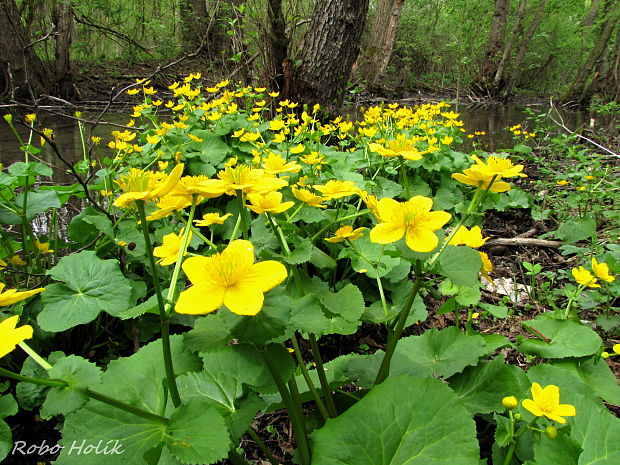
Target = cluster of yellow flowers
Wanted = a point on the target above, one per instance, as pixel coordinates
(544, 402)
(586, 279)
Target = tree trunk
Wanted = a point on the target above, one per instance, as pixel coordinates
(498, 84)
(525, 43)
(578, 90)
(494, 46)
(381, 42)
(21, 71)
(63, 75)
(278, 48)
(329, 50)
(592, 14)
(202, 27)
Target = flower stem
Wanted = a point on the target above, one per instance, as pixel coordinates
(384, 370)
(261, 445)
(306, 374)
(403, 174)
(294, 412)
(36, 357)
(30, 379)
(316, 354)
(163, 316)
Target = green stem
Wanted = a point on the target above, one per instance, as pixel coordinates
(235, 458)
(403, 174)
(244, 227)
(572, 299)
(36, 357)
(30, 379)
(163, 316)
(306, 374)
(339, 220)
(177, 266)
(294, 413)
(199, 234)
(327, 393)
(261, 445)
(384, 370)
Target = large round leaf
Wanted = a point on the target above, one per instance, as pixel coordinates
(91, 285)
(404, 420)
(565, 339)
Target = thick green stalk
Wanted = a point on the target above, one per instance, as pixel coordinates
(261, 445)
(403, 174)
(384, 370)
(163, 316)
(306, 374)
(30, 379)
(295, 414)
(236, 458)
(320, 369)
(35, 356)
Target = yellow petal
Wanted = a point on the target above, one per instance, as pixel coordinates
(531, 406)
(552, 394)
(388, 208)
(244, 299)
(386, 233)
(565, 410)
(435, 220)
(421, 240)
(240, 252)
(200, 299)
(264, 276)
(195, 268)
(537, 392)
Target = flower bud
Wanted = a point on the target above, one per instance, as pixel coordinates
(551, 432)
(8, 118)
(510, 402)
(517, 416)
(604, 354)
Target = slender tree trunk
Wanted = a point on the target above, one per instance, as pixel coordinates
(22, 74)
(202, 27)
(525, 43)
(603, 75)
(329, 50)
(497, 85)
(63, 75)
(494, 46)
(578, 90)
(592, 14)
(381, 42)
(278, 48)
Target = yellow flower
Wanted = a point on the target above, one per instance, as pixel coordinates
(248, 180)
(346, 232)
(616, 349)
(313, 158)
(10, 336)
(167, 205)
(481, 180)
(168, 252)
(3, 264)
(152, 139)
(337, 189)
(413, 219)
(584, 277)
(275, 164)
(30, 118)
(470, 238)
(399, 147)
(510, 402)
(298, 149)
(230, 278)
(601, 270)
(546, 401)
(11, 296)
(146, 185)
(272, 203)
(209, 219)
(276, 125)
(563, 182)
(96, 140)
(16, 260)
(499, 167)
(487, 265)
(43, 247)
(308, 197)
(589, 178)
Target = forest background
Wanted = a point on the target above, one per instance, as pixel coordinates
(308, 50)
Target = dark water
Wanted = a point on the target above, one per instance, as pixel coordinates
(493, 120)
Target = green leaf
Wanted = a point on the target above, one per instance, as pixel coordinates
(8, 406)
(461, 265)
(375, 261)
(502, 430)
(308, 316)
(595, 372)
(91, 285)
(209, 332)
(576, 230)
(481, 388)
(6, 440)
(567, 339)
(562, 450)
(39, 201)
(320, 259)
(21, 168)
(79, 373)
(86, 226)
(345, 308)
(468, 295)
(301, 253)
(197, 433)
(402, 421)
(442, 353)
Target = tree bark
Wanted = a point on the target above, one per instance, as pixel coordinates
(523, 47)
(201, 27)
(329, 50)
(497, 85)
(63, 75)
(22, 74)
(578, 90)
(494, 45)
(278, 48)
(381, 42)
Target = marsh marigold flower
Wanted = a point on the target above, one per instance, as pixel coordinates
(337, 189)
(546, 401)
(601, 270)
(481, 180)
(510, 402)
(11, 296)
(499, 167)
(412, 219)
(308, 197)
(269, 203)
(146, 185)
(469, 237)
(168, 252)
(584, 277)
(229, 278)
(10, 335)
(209, 219)
(43, 247)
(346, 232)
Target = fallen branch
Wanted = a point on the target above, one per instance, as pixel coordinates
(525, 241)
